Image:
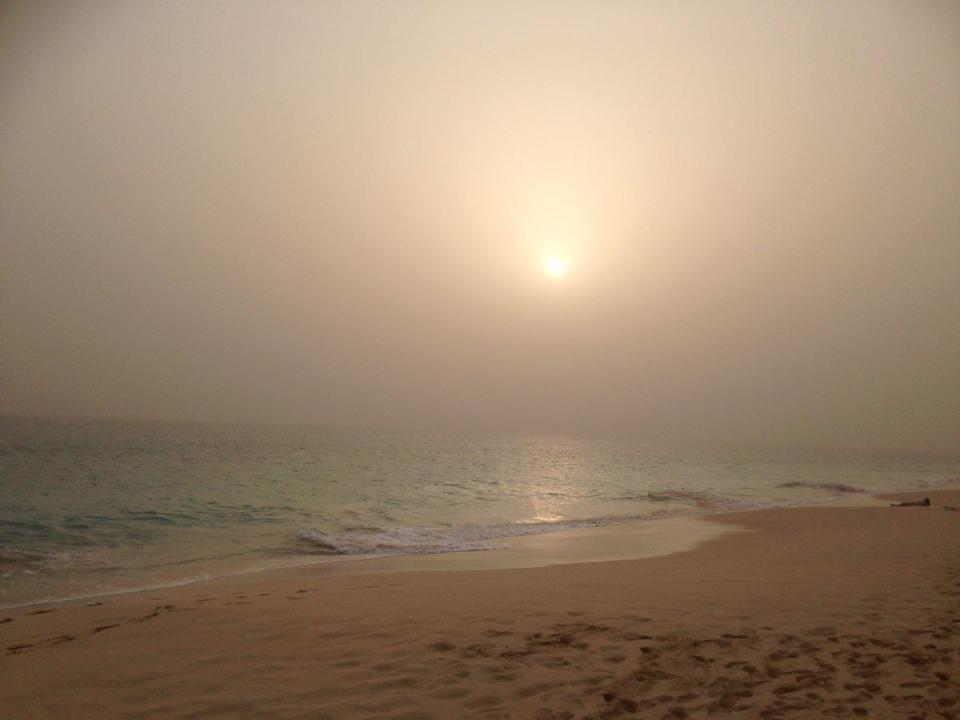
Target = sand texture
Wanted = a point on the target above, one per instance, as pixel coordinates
(816, 612)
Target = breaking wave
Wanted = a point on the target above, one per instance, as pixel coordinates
(700, 500)
(424, 540)
(15, 561)
(838, 488)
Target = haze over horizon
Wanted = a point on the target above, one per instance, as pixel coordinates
(705, 222)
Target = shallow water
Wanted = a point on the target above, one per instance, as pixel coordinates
(89, 507)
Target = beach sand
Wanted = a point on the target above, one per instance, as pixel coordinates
(804, 612)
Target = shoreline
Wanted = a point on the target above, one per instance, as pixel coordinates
(817, 611)
(661, 536)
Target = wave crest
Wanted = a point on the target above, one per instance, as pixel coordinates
(14, 560)
(700, 500)
(393, 541)
(838, 488)
(425, 540)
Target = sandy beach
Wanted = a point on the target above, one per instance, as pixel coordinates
(451, 360)
(804, 612)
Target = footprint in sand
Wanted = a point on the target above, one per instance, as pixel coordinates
(17, 649)
(477, 650)
(486, 701)
(450, 694)
(156, 611)
(41, 612)
(105, 627)
(443, 647)
(515, 654)
(785, 689)
(5, 620)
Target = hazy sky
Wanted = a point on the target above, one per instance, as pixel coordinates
(339, 212)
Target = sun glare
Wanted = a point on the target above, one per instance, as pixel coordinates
(556, 267)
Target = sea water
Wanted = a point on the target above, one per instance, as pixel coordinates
(90, 507)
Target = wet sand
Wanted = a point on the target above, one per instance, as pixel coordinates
(792, 613)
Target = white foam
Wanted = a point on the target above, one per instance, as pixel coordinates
(701, 500)
(839, 488)
(425, 540)
(15, 560)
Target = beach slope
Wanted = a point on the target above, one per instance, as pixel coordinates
(813, 612)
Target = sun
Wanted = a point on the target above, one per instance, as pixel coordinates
(555, 267)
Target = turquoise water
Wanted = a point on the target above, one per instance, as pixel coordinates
(90, 507)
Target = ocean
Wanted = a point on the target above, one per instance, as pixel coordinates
(90, 507)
